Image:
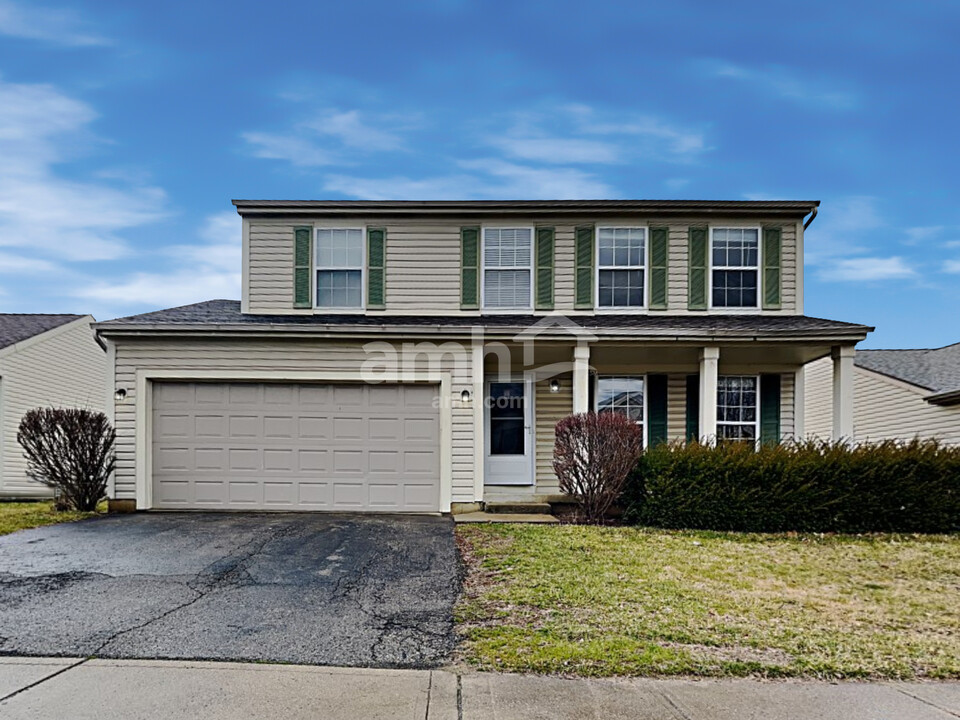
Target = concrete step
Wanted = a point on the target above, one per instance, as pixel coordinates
(488, 517)
(519, 508)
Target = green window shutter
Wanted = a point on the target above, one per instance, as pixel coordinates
(772, 274)
(469, 268)
(693, 408)
(376, 267)
(544, 270)
(697, 282)
(583, 281)
(302, 267)
(658, 268)
(656, 410)
(769, 409)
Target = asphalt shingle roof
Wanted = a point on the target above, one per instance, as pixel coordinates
(937, 370)
(227, 312)
(15, 327)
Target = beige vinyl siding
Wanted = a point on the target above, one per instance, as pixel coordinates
(271, 268)
(64, 367)
(787, 408)
(550, 408)
(564, 262)
(270, 359)
(677, 407)
(423, 269)
(818, 399)
(883, 408)
(423, 260)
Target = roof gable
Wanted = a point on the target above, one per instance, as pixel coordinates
(17, 327)
(936, 370)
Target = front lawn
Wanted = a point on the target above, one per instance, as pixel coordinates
(22, 515)
(629, 601)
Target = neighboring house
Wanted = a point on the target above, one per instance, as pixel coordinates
(45, 360)
(416, 356)
(898, 395)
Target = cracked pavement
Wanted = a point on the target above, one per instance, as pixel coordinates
(323, 589)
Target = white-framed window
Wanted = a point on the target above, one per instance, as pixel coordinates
(508, 268)
(621, 267)
(622, 394)
(738, 407)
(339, 267)
(734, 267)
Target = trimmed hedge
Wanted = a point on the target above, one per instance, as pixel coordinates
(911, 487)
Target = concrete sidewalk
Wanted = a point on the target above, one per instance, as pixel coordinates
(148, 689)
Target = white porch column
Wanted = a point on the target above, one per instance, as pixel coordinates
(476, 367)
(842, 391)
(581, 378)
(709, 361)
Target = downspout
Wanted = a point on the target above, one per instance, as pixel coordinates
(813, 215)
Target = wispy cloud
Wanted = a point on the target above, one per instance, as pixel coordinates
(205, 270)
(952, 266)
(785, 83)
(55, 25)
(917, 235)
(74, 219)
(331, 137)
(548, 152)
(866, 269)
(578, 134)
(16, 264)
(488, 178)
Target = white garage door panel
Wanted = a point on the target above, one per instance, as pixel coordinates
(248, 446)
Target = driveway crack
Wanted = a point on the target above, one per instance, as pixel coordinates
(232, 567)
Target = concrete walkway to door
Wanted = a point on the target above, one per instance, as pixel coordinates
(34, 688)
(325, 589)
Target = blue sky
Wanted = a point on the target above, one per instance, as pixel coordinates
(126, 128)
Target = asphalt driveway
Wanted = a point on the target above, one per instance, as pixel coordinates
(358, 590)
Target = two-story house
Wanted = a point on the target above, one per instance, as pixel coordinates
(416, 356)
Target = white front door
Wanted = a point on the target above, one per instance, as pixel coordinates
(508, 415)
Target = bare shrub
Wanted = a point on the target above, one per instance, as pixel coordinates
(71, 451)
(592, 457)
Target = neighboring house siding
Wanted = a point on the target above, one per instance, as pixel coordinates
(884, 408)
(64, 367)
(423, 261)
(270, 359)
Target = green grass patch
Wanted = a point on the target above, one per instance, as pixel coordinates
(602, 601)
(23, 515)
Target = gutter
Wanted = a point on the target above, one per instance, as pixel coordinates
(813, 216)
(950, 397)
(415, 332)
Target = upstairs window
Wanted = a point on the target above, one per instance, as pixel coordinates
(735, 259)
(621, 259)
(737, 407)
(622, 395)
(508, 268)
(339, 268)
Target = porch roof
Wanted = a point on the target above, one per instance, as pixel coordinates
(224, 316)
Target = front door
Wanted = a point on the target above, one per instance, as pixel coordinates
(508, 410)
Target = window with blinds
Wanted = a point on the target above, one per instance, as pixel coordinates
(508, 268)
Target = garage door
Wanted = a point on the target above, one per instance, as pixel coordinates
(254, 446)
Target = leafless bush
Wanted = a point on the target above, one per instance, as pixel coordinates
(71, 451)
(593, 455)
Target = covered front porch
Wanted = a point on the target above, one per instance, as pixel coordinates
(678, 390)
